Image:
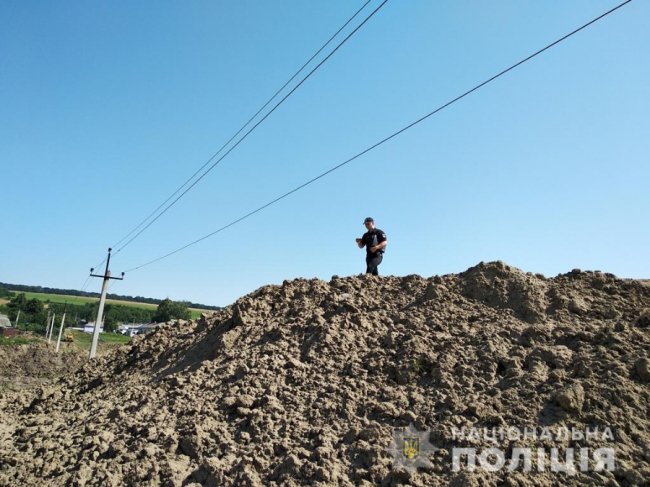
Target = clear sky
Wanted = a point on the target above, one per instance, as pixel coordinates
(107, 107)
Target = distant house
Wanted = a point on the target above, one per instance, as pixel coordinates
(5, 322)
(6, 330)
(136, 329)
(90, 328)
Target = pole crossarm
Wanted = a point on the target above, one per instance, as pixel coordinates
(108, 277)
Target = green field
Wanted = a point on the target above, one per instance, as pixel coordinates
(63, 298)
(83, 339)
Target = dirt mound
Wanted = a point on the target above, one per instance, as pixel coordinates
(501, 286)
(305, 383)
(34, 363)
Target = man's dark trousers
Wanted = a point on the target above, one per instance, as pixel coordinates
(372, 263)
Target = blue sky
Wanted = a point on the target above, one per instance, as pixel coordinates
(107, 107)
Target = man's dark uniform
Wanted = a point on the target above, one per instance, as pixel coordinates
(373, 259)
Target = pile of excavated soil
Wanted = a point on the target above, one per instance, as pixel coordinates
(305, 384)
(32, 364)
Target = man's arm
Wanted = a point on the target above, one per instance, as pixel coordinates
(379, 246)
(360, 243)
(381, 242)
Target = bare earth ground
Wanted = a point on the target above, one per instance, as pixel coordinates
(305, 384)
(27, 366)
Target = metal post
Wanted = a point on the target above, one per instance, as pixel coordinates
(17, 318)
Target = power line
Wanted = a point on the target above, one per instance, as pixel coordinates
(83, 286)
(247, 123)
(254, 126)
(386, 139)
(87, 281)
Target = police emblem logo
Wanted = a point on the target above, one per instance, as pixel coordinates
(411, 448)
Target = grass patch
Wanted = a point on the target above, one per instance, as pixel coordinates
(196, 313)
(16, 340)
(83, 339)
(114, 338)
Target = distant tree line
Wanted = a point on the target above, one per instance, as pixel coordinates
(34, 314)
(73, 292)
(4, 292)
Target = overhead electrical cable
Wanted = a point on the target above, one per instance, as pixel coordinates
(245, 125)
(386, 139)
(83, 286)
(242, 138)
(87, 281)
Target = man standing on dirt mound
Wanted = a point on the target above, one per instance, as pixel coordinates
(374, 240)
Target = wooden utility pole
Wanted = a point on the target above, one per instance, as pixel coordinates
(102, 301)
(58, 341)
(47, 322)
(48, 332)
